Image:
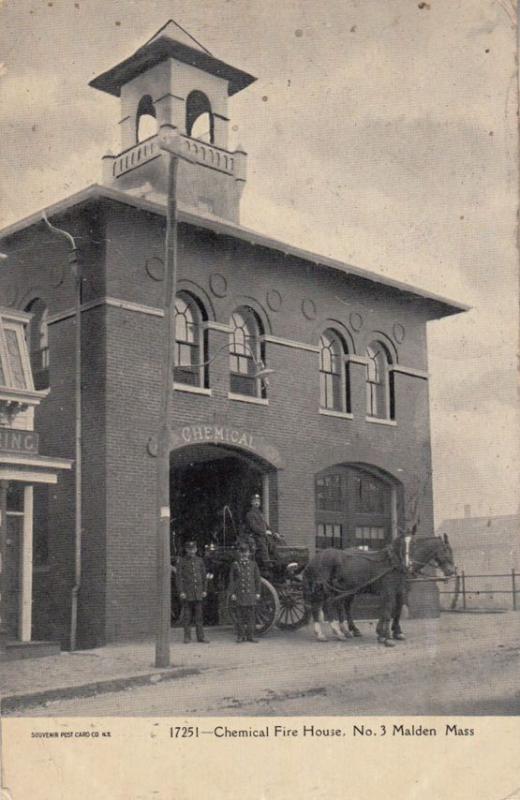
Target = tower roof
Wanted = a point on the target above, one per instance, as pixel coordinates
(170, 41)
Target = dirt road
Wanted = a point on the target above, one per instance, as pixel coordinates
(460, 664)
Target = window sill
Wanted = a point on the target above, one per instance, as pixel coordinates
(244, 398)
(329, 412)
(185, 387)
(381, 421)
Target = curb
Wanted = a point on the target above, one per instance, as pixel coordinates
(18, 701)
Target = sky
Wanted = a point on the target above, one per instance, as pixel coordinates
(379, 132)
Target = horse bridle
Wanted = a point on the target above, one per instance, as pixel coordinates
(412, 566)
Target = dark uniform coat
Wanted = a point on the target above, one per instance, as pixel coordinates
(190, 577)
(244, 582)
(255, 522)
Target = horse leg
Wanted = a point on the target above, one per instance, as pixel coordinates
(317, 618)
(350, 628)
(383, 625)
(330, 616)
(343, 619)
(396, 627)
(333, 610)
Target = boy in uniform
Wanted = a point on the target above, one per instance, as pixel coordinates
(244, 588)
(191, 585)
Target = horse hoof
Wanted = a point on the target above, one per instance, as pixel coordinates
(356, 633)
(321, 638)
(400, 637)
(381, 640)
(347, 634)
(340, 636)
(389, 643)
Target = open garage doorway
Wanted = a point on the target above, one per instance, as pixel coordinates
(210, 489)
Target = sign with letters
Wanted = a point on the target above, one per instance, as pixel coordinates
(226, 435)
(13, 440)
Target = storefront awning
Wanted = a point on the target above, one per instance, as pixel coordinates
(31, 469)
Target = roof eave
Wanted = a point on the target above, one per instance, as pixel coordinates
(438, 307)
(161, 49)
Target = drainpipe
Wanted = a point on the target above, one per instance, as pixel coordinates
(73, 261)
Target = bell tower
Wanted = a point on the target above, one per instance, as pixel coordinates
(172, 83)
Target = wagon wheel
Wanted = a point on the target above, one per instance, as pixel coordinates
(293, 611)
(267, 608)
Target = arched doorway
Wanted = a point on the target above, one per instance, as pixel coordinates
(211, 487)
(357, 505)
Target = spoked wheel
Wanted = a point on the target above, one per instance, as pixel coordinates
(293, 611)
(267, 608)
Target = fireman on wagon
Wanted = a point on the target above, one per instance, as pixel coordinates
(257, 530)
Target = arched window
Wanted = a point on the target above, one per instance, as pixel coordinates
(334, 383)
(245, 353)
(146, 119)
(354, 508)
(190, 341)
(199, 118)
(38, 343)
(380, 400)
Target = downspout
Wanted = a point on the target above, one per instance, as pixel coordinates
(73, 261)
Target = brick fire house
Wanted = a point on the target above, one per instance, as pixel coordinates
(337, 442)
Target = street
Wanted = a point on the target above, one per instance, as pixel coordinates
(460, 664)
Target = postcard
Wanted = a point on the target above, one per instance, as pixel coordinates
(259, 521)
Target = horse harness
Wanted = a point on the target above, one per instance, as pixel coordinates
(411, 568)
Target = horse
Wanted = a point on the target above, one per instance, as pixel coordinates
(333, 577)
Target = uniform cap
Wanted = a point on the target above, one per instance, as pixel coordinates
(191, 545)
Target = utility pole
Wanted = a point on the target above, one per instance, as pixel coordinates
(162, 645)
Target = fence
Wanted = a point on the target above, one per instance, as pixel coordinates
(465, 594)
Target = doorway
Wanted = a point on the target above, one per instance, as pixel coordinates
(210, 489)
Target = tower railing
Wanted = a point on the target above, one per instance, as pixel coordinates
(203, 153)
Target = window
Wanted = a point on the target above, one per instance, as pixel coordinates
(379, 385)
(245, 353)
(328, 535)
(14, 351)
(369, 538)
(334, 388)
(190, 353)
(199, 119)
(38, 342)
(146, 121)
(359, 502)
(15, 369)
(370, 495)
(329, 495)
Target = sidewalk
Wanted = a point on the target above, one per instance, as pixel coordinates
(111, 668)
(115, 667)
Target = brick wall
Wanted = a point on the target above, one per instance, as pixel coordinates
(121, 385)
